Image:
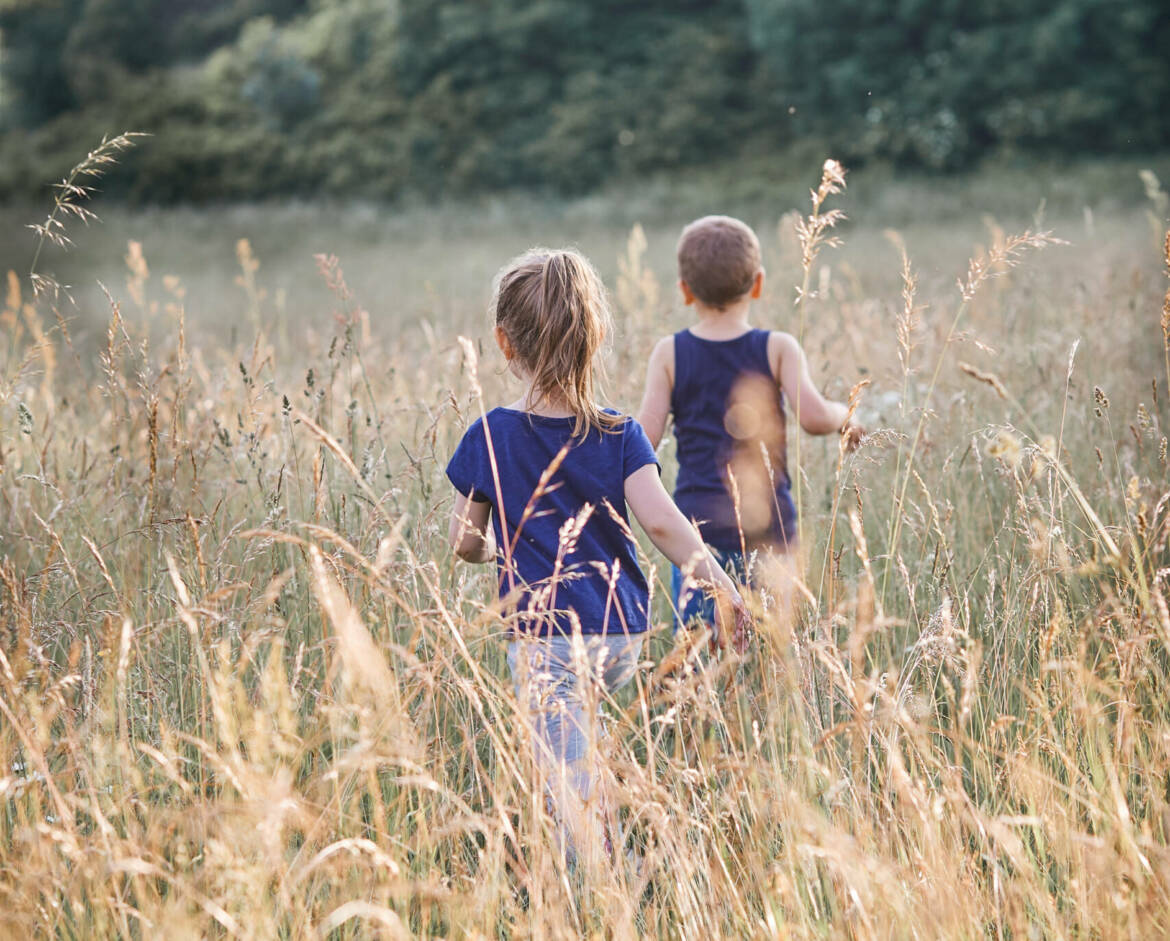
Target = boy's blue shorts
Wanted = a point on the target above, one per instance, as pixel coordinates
(698, 606)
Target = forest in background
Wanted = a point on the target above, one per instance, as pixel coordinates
(255, 99)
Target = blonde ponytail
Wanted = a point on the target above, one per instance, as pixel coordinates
(552, 306)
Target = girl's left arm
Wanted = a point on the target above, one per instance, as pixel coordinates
(468, 531)
(671, 532)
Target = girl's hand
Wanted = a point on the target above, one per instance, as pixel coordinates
(741, 634)
(733, 623)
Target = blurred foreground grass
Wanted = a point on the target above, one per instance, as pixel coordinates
(246, 691)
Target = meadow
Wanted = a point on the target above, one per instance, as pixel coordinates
(246, 691)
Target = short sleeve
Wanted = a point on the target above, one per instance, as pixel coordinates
(637, 451)
(468, 469)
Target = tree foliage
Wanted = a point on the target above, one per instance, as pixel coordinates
(250, 98)
(940, 83)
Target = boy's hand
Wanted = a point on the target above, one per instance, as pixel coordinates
(853, 434)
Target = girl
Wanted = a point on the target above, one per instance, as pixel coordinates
(554, 472)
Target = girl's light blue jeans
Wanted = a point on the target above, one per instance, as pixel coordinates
(560, 683)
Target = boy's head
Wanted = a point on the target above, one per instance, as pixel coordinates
(718, 261)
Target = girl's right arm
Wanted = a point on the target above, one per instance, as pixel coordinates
(468, 532)
(672, 533)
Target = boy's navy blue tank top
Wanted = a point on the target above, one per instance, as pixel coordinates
(728, 413)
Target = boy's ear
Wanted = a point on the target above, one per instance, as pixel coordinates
(757, 285)
(505, 344)
(687, 293)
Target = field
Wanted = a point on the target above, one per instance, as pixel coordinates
(247, 691)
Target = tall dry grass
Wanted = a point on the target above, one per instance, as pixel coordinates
(246, 691)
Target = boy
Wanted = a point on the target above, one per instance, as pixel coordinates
(725, 384)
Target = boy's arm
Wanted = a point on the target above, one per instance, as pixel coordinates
(468, 532)
(671, 532)
(655, 408)
(816, 414)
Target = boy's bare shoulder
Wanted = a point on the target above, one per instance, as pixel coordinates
(662, 356)
(664, 345)
(780, 345)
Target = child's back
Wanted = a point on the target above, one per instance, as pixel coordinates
(726, 383)
(567, 558)
(729, 425)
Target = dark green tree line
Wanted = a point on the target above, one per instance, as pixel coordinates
(255, 98)
(941, 82)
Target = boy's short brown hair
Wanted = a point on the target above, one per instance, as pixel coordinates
(718, 258)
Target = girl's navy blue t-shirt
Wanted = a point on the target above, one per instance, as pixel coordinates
(562, 573)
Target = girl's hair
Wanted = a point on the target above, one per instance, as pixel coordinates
(552, 306)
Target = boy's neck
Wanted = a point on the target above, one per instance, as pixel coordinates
(711, 323)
